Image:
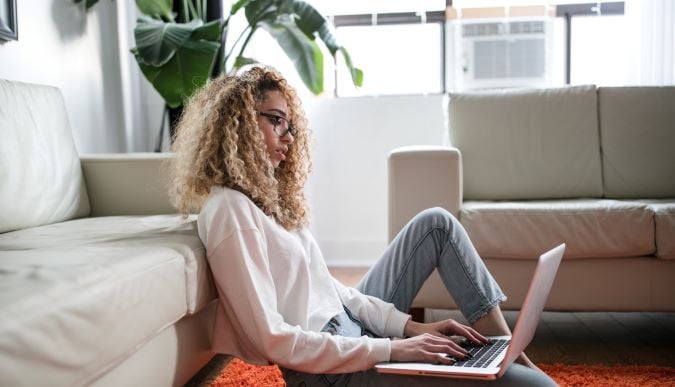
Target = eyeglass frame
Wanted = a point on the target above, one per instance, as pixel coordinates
(276, 120)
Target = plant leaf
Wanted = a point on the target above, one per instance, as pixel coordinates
(257, 11)
(157, 41)
(304, 52)
(308, 19)
(238, 5)
(327, 37)
(208, 31)
(155, 8)
(184, 73)
(356, 73)
(242, 61)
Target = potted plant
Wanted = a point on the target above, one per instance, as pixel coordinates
(178, 54)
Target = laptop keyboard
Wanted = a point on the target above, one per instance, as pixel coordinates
(482, 356)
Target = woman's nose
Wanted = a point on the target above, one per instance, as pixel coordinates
(287, 138)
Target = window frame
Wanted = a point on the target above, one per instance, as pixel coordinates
(568, 11)
(393, 18)
(565, 11)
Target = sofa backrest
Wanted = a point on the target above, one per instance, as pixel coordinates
(527, 143)
(40, 174)
(637, 133)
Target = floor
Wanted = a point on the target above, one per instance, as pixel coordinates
(570, 338)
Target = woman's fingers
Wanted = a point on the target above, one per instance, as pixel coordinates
(428, 348)
(440, 358)
(469, 333)
(474, 336)
(445, 346)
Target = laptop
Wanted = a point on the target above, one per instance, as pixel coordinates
(491, 361)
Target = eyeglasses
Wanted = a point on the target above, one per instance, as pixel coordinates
(278, 121)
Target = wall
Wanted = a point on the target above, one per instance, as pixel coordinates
(80, 53)
(348, 188)
(61, 45)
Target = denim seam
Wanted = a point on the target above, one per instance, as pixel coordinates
(486, 304)
(408, 260)
(476, 288)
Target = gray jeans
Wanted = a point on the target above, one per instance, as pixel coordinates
(433, 239)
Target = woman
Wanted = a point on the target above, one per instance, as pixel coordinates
(242, 158)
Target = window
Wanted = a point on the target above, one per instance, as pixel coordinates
(398, 58)
(548, 44)
(595, 46)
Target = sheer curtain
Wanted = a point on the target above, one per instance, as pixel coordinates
(652, 45)
(142, 106)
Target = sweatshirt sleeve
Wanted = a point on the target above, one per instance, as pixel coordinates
(247, 294)
(379, 316)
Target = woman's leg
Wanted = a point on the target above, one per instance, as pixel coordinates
(435, 239)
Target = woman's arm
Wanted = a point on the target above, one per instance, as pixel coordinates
(426, 342)
(379, 316)
(247, 293)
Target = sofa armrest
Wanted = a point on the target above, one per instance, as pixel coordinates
(422, 177)
(127, 183)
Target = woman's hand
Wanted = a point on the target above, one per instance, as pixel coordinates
(444, 328)
(427, 348)
(432, 342)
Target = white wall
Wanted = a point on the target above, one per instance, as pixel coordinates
(348, 188)
(62, 46)
(80, 53)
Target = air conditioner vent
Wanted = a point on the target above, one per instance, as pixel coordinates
(527, 27)
(483, 29)
(500, 28)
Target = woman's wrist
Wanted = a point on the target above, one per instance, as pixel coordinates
(412, 328)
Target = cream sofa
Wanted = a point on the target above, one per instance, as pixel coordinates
(101, 283)
(528, 169)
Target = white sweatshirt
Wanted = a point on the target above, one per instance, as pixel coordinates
(275, 294)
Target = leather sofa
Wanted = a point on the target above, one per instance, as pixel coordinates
(527, 169)
(101, 282)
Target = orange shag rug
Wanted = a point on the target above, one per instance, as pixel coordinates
(240, 374)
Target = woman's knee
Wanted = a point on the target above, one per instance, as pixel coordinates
(436, 217)
(520, 375)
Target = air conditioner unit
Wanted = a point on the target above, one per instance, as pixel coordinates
(502, 53)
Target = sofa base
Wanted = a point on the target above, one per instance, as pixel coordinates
(171, 358)
(643, 284)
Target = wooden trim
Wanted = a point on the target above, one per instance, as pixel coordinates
(499, 12)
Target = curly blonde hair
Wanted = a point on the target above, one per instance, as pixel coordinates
(218, 143)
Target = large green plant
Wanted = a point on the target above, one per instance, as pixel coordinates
(179, 56)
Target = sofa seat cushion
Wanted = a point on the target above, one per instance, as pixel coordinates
(591, 228)
(74, 313)
(664, 222)
(77, 297)
(165, 231)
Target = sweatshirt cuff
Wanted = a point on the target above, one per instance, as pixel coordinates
(381, 350)
(396, 323)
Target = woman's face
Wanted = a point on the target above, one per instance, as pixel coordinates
(272, 113)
